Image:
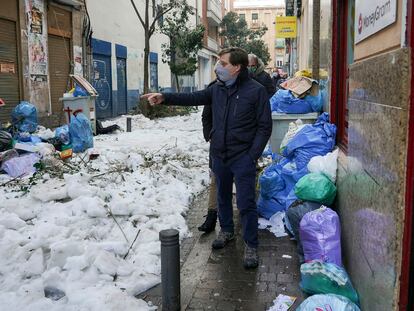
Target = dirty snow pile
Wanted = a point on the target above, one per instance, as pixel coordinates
(64, 242)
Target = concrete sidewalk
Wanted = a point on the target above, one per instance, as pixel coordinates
(216, 280)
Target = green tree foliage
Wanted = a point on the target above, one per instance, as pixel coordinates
(185, 42)
(235, 32)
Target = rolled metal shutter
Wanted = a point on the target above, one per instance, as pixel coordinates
(59, 70)
(9, 69)
(60, 56)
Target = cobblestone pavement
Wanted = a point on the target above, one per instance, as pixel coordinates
(216, 280)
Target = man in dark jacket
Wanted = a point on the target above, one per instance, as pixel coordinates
(242, 126)
(257, 72)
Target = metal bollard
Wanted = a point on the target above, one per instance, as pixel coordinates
(129, 119)
(170, 270)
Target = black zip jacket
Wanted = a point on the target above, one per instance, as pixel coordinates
(241, 116)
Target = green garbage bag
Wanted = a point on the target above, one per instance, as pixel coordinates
(316, 187)
(326, 278)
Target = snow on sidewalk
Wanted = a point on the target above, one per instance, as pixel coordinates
(60, 235)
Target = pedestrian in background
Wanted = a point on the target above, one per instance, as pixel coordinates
(257, 72)
(242, 126)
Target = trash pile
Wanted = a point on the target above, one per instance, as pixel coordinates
(301, 184)
(25, 146)
(278, 180)
(300, 94)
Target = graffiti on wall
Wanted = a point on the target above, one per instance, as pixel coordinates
(101, 84)
(37, 40)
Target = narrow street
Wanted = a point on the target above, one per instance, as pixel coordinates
(118, 119)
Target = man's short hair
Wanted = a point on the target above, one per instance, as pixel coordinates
(238, 56)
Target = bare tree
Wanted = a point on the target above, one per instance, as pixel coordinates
(149, 23)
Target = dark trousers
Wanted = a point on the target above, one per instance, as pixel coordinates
(243, 171)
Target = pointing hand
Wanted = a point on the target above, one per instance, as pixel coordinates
(153, 98)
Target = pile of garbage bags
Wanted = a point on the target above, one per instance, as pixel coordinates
(22, 145)
(280, 178)
(301, 183)
(299, 94)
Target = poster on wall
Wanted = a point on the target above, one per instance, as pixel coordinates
(373, 16)
(77, 55)
(37, 40)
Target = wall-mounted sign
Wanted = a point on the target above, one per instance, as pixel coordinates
(372, 16)
(285, 26)
(7, 68)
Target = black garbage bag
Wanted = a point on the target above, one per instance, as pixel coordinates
(5, 140)
(294, 215)
(105, 130)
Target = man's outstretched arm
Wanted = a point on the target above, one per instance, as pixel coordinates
(199, 98)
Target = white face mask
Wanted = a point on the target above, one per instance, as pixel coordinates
(222, 73)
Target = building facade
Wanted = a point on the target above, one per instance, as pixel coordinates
(117, 69)
(263, 13)
(210, 14)
(41, 44)
(370, 74)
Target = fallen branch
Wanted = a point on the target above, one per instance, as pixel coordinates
(133, 242)
(119, 226)
(118, 170)
(13, 179)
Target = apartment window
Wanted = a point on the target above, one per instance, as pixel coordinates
(242, 16)
(255, 17)
(279, 63)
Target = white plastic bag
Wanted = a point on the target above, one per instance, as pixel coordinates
(294, 127)
(326, 165)
(329, 302)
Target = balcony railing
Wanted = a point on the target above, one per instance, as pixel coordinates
(212, 44)
(214, 13)
(254, 23)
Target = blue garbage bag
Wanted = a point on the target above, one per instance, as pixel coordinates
(270, 182)
(316, 102)
(62, 133)
(80, 133)
(268, 207)
(79, 91)
(290, 199)
(268, 151)
(283, 101)
(328, 302)
(277, 187)
(24, 117)
(311, 141)
(291, 174)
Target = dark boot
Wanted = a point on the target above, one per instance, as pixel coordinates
(223, 238)
(251, 260)
(210, 222)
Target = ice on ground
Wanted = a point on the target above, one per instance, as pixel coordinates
(63, 241)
